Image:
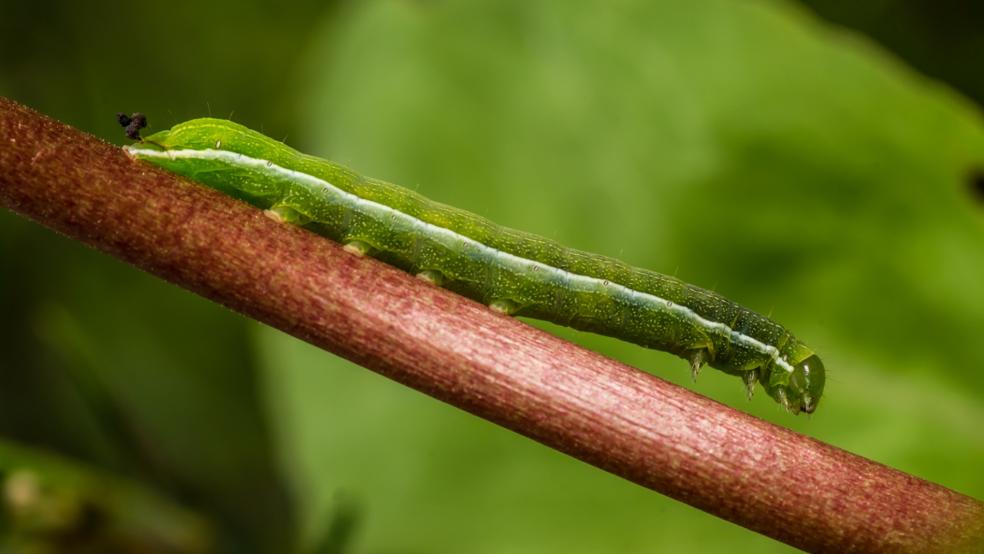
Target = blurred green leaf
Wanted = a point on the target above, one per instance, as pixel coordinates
(743, 146)
(51, 504)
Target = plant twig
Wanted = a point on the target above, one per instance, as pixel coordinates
(766, 478)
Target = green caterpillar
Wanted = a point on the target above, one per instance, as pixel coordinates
(511, 271)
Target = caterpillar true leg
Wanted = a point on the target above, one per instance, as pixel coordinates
(697, 359)
(750, 378)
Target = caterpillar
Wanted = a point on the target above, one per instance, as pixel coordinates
(511, 271)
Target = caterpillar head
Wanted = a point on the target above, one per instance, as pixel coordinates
(807, 380)
(800, 390)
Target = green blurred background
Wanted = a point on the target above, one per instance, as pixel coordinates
(810, 160)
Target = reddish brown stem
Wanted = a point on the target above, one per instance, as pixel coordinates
(766, 478)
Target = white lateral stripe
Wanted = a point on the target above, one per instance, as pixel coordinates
(516, 261)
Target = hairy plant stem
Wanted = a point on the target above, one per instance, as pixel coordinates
(766, 478)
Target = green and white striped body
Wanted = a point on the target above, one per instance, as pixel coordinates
(512, 271)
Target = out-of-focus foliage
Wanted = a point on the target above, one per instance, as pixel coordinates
(941, 39)
(49, 505)
(744, 146)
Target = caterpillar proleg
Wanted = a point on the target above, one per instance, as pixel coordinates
(510, 271)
